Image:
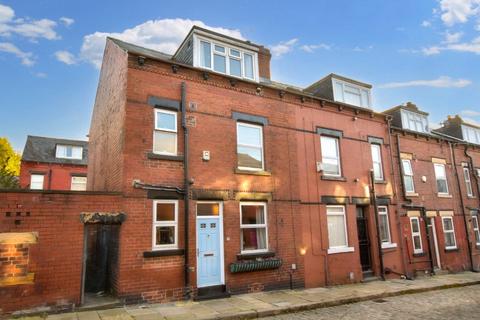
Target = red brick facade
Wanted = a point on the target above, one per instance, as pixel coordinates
(56, 176)
(297, 195)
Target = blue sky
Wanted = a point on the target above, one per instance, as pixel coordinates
(424, 51)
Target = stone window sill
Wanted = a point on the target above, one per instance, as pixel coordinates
(380, 182)
(341, 250)
(444, 195)
(253, 172)
(333, 178)
(452, 249)
(252, 256)
(163, 253)
(411, 194)
(156, 156)
(418, 255)
(388, 245)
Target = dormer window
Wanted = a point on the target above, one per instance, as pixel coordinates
(471, 134)
(69, 152)
(351, 93)
(414, 121)
(226, 59)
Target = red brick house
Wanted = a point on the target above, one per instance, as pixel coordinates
(54, 164)
(208, 178)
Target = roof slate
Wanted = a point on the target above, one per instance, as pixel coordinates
(43, 149)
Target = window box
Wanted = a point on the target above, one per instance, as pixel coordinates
(255, 265)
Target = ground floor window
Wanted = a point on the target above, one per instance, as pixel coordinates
(476, 230)
(78, 183)
(36, 181)
(165, 224)
(337, 229)
(384, 225)
(416, 235)
(253, 227)
(449, 233)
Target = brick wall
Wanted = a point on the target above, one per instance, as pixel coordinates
(56, 259)
(57, 176)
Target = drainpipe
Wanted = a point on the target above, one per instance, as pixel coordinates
(469, 245)
(183, 106)
(377, 227)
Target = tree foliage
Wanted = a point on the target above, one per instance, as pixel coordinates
(9, 165)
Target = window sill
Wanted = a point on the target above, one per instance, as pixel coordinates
(163, 253)
(253, 172)
(477, 246)
(388, 245)
(471, 197)
(333, 178)
(340, 250)
(418, 255)
(156, 156)
(380, 182)
(411, 194)
(440, 195)
(452, 249)
(255, 255)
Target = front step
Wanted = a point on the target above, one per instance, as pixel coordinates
(369, 276)
(212, 292)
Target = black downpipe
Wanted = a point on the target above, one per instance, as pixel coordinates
(459, 185)
(377, 227)
(186, 189)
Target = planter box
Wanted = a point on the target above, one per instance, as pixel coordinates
(248, 266)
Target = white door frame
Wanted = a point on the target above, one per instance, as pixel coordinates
(220, 238)
(435, 241)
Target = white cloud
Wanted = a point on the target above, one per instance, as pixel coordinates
(310, 48)
(6, 13)
(470, 113)
(26, 57)
(458, 11)
(283, 47)
(40, 75)
(65, 57)
(163, 35)
(453, 37)
(362, 49)
(471, 47)
(426, 24)
(441, 82)
(32, 29)
(67, 21)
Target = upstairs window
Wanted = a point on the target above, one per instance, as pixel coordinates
(228, 60)
(441, 176)
(249, 147)
(351, 94)
(377, 161)
(330, 156)
(471, 134)
(165, 133)
(36, 181)
(468, 181)
(69, 152)
(408, 176)
(414, 121)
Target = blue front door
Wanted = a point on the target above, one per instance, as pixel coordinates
(208, 253)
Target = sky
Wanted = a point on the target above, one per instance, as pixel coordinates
(427, 52)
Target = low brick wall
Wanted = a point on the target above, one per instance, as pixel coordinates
(46, 273)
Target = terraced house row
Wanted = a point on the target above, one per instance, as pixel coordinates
(208, 178)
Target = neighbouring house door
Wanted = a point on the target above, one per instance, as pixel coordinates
(434, 243)
(209, 244)
(363, 240)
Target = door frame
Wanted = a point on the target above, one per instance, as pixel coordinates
(365, 213)
(435, 240)
(220, 239)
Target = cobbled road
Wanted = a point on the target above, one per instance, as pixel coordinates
(457, 303)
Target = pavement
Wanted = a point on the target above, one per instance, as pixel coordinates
(264, 304)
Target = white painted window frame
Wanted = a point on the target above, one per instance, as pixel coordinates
(405, 175)
(60, 147)
(156, 224)
(344, 248)
(471, 134)
(416, 234)
(37, 175)
(476, 228)
(261, 147)
(444, 167)
(72, 183)
(254, 226)
(383, 210)
(338, 158)
(449, 231)
(468, 181)
(340, 96)
(408, 117)
(374, 147)
(228, 47)
(159, 129)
